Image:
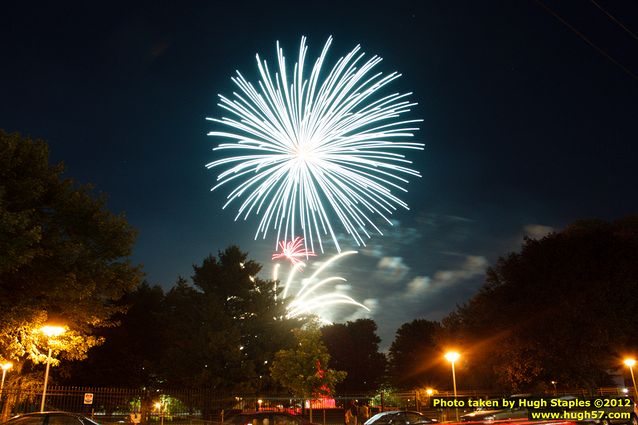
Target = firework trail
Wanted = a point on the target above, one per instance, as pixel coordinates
(308, 299)
(308, 148)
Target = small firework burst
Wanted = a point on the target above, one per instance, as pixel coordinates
(294, 251)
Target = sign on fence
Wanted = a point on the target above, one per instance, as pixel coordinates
(88, 398)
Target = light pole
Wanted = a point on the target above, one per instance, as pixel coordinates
(49, 331)
(5, 366)
(630, 363)
(452, 357)
(160, 407)
(554, 384)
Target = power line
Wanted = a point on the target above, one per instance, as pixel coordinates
(615, 20)
(588, 41)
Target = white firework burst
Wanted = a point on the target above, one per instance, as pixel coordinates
(316, 146)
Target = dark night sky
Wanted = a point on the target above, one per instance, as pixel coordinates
(526, 126)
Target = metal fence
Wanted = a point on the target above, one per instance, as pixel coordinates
(192, 406)
(116, 405)
(207, 407)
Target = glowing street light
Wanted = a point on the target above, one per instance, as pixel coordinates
(160, 407)
(5, 366)
(429, 392)
(630, 363)
(50, 332)
(452, 357)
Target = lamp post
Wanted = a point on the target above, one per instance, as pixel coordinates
(160, 407)
(630, 363)
(5, 367)
(452, 357)
(49, 331)
(555, 390)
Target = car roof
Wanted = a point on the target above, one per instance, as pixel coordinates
(269, 412)
(78, 416)
(398, 411)
(52, 412)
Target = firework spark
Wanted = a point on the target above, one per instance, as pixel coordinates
(293, 251)
(314, 147)
(308, 300)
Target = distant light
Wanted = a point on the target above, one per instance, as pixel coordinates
(429, 391)
(452, 356)
(51, 331)
(625, 390)
(630, 362)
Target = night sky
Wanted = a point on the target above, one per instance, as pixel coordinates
(527, 127)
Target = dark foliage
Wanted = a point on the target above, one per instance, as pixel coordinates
(354, 348)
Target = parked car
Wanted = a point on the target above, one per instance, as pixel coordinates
(633, 420)
(50, 418)
(495, 415)
(399, 417)
(485, 415)
(267, 418)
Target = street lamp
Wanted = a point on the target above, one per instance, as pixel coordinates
(554, 384)
(452, 357)
(5, 366)
(630, 363)
(160, 407)
(50, 332)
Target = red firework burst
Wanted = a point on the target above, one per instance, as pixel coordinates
(293, 250)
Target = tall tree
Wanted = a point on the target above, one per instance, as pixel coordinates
(221, 333)
(64, 255)
(354, 348)
(557, 310)
(184, 360)
(415, 356)
(131, 351)
(244, 323)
